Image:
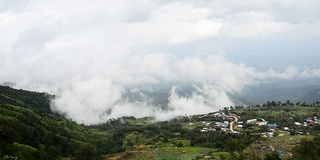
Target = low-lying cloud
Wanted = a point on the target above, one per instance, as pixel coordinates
(89, 53)
(98, 98)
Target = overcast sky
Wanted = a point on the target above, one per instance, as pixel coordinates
(73, 48)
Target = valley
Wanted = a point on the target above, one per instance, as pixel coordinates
(253, 132)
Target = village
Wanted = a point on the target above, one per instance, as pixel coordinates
(232, 123)
(284, 134)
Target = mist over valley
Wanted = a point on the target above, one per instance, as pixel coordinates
(110, 59)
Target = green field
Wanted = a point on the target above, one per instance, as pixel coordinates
(171, 153)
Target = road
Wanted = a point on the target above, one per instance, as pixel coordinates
(232, 123)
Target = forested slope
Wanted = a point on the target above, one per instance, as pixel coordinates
(28, 130)
(34, 100)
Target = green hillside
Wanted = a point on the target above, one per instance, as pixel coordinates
(27, 131)
(34, 100)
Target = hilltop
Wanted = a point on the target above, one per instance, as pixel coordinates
(28, 99)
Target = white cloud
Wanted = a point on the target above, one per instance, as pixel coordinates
(86, 52)
(207, 99)
(253, 24)
(87, 100)
(215, 69)
(292, 72)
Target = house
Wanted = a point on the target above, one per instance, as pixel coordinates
(218, 123)
(270, 134)
(308, 119)
(297, 123)
(218, 114)
(202, 130)
(281, 152)
(267, 134)
(251, 121)
(262, 123)
(225, 129)
(229, 117)
(225, 124)
(272, 125)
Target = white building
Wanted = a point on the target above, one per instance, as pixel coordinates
(251, 121)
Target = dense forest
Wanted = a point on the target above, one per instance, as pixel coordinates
(29, 130)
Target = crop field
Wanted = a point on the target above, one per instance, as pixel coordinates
(172, 153)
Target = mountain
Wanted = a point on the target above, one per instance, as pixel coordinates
(265, 93)
(28, 130)
(293, 90)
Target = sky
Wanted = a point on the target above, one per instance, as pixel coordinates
(87, 52)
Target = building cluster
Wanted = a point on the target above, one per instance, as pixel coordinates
(230, 124)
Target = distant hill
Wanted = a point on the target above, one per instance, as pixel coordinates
(312, 96)
(276, 90)
(280, 91)
(34, 100)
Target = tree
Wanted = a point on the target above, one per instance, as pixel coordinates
(231, 147)
(85, 152)
(306, 150)
(226, 110)
(272, 156)
(273, 103)
(222, 157)
(252, 154)
(234, 146)
(268, 103)
(279, 103)
(288, 103)
(304, 104)
(180, 144)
